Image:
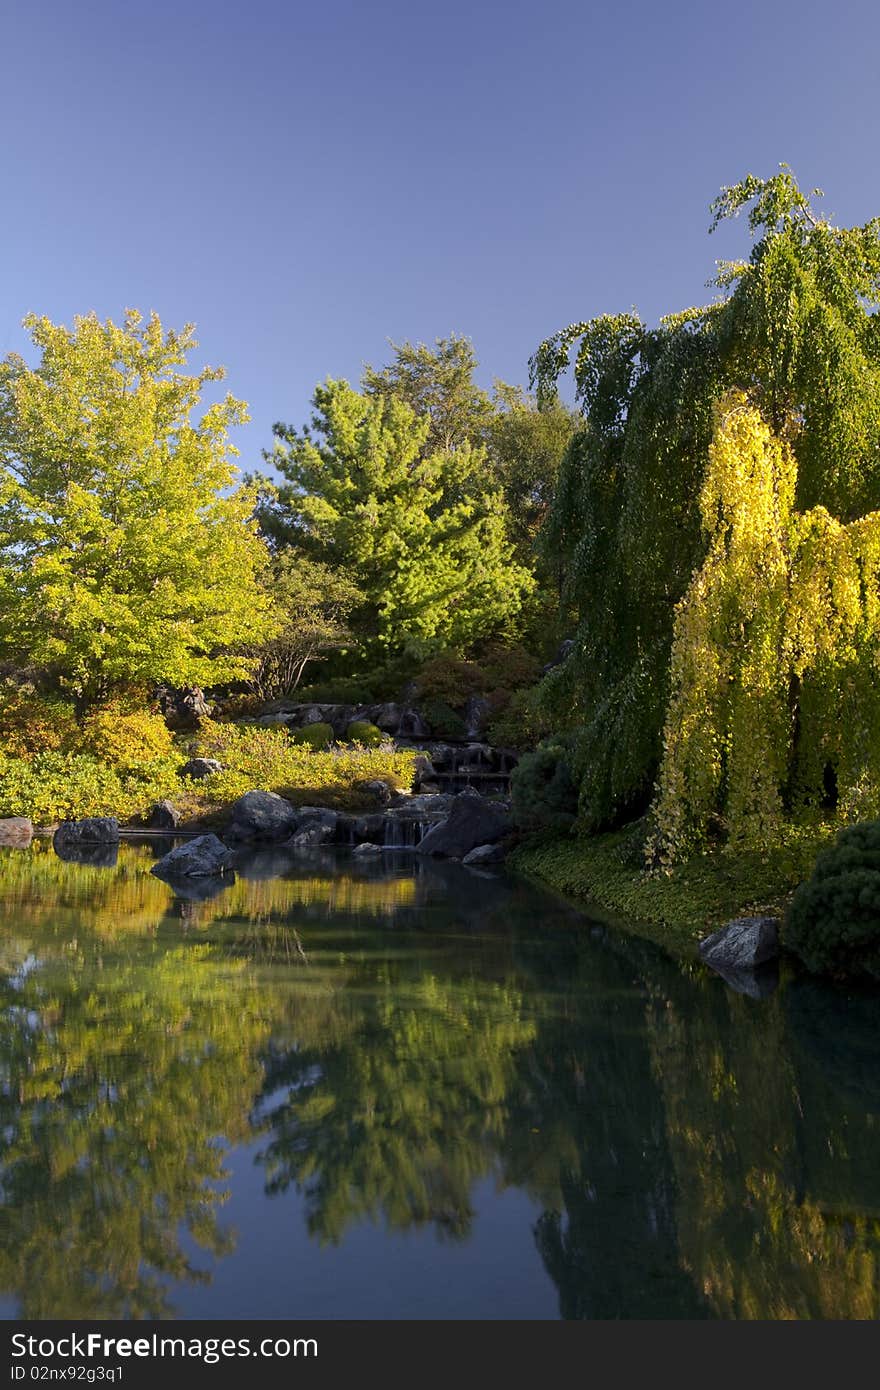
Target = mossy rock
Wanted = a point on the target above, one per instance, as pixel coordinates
(362, 731)
(833, 924)
(317, 736)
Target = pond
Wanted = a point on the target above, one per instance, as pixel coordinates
(407, 1089)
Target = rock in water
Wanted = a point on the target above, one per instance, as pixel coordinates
(204, 857)
(163, 816)
(471, 821)
(484, 854)
(16, 831)
(742, 944)
(261, 816)
(94, 830)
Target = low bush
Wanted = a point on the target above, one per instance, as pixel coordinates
(520, 722)
(31, 723)
(833, 923)
(442, 719)
(362, 731)
(542, 791)
(314, 735)
(125, 738)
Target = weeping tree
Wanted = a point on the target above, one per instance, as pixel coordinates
(710, 514)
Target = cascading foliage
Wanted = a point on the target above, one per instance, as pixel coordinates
(714, 525)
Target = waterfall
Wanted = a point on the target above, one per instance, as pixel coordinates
(403, 832)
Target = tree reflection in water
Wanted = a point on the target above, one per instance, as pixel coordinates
(389, 1037)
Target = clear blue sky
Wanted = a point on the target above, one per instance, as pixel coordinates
(305, 181)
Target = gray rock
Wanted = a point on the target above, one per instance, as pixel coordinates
(563, 652)
(386, 717)
(307, 815)
(197, 768)
(485, 854)
(204, 857)
(366, 849)
(743, 944)
(428, 806)
(378, 792)
(163, 816)
(476, 715)
(16, 831)
(471, 821)
(370, 828)
(261, 816)
(93, 830)
(316, 833)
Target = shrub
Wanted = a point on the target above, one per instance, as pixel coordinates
(362, 731)
(833, 923)
(442, 720)
(31, 723)
(542, 790)
(315, 735)
(126, 738)
(65, 786)
(449, 680)
(520, 723)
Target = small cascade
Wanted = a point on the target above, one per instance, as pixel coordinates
(403, 832)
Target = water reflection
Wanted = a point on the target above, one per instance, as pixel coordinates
(396, 1046)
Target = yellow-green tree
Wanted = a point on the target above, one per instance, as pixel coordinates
(127, 555)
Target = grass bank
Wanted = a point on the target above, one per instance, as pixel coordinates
(679, 908)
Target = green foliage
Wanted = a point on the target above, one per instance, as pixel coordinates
(448, 678)
(527, 446)
(636, 513)
(126, 554)
(438, 385)
(312, 603)
(442, 719)
(422, 534)
(362, 731)
(680, 907)
(317, 735)
(833, 923)
(543, 793)
(50, 787)
(521, 721)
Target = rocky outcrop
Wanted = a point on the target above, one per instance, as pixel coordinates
(204, 857)
(471, 821)
(261, 816)
(16, 832)
(197, 768)
(183, 709)
(743, 952)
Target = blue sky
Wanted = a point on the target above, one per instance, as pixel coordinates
(305, 181)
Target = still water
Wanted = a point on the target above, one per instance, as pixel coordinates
(412, 1090)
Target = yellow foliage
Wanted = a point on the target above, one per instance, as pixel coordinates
(775, 649)
(126, 738)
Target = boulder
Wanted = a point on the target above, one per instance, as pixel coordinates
(163, 816)
(428, 806)
(204, 857)
(306, 815)
(261, 816)
(386, 717)
(93, 830)
(370, 828)
(16, 831)
(377, 791)
(365, 850)
(563, 652)
(183, 709)
(485, 854)
(197, 768)
(743, 944)
(313, 833)
(471, 821)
